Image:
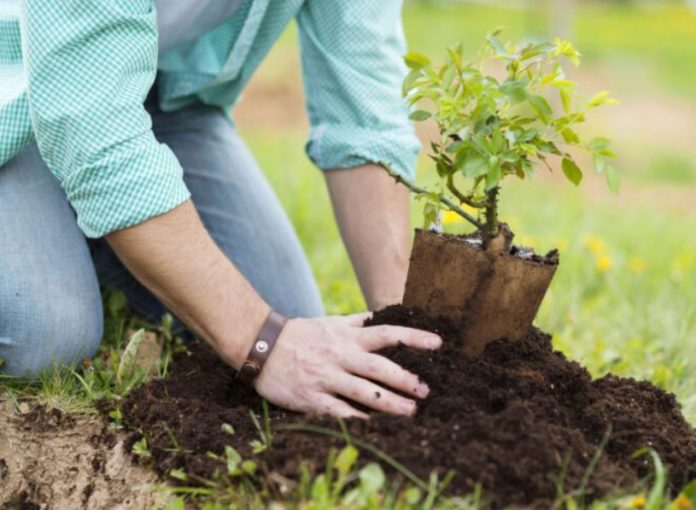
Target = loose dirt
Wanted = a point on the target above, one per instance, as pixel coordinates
(51, 460)
(522, 420)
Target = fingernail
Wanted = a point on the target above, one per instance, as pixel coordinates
(434, 342)
(408, 408)
(422, 390)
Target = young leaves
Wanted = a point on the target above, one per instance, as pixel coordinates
(571, 170)
(492, 128)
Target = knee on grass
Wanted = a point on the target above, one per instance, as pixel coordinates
(34, 339)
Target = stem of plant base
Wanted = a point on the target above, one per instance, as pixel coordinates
(444, 200)
(490, 229)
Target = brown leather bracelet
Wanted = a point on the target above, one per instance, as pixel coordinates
(262, 347)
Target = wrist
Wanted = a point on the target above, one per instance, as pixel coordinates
(235, 344)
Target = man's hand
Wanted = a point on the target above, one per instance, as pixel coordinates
(372, 212)
(316, 361)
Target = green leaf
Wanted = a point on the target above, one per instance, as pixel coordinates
(548, 147)
(572, 171)
(570, 136)
(515, 90)
(127, 364)
(228, 429)
(416, 60)
(566, 98)
(598, 144)
(233, 460)
(249, 467)
(532, 51)
(419, 115)
(475, 166)
(495, 173)
(601, 98)
(613, 179)
(690, 491)
(346, 459)
(409, 81)
(179, 474)
(371, 479)
(456, 56)
(541, 105)
(497, 46)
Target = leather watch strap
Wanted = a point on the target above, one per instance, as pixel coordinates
(262, 347)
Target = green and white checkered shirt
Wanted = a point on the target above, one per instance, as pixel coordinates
(74, 75)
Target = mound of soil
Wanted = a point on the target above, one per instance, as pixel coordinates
(521, 420)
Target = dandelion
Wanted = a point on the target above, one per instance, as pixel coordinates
(638, 502)
(604, 263)
(595, 244)
(636, 264)
(450, 217)
(682, 503)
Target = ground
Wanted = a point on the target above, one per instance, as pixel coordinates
(623, 300)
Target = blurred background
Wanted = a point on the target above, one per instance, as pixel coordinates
(624, 299)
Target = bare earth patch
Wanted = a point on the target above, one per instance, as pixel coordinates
(52, 460)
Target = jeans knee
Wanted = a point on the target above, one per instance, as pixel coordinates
(63, 330)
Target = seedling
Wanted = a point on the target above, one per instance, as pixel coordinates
(491, 129)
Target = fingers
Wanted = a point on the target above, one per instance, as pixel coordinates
(327, 404)
(373, 396)
(374, 338)
(384, 371)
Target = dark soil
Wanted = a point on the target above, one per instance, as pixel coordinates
(513, 420)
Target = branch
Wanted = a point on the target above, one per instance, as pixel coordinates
(463, 198)
(444, 200)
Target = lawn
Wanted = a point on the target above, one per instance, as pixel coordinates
(624, 298)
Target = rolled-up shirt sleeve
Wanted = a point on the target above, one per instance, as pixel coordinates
(90, 65)
(352, 65)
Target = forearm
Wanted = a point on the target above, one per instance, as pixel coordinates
(175, 258)
(372, 212)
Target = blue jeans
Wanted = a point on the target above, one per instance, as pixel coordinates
(50, 274)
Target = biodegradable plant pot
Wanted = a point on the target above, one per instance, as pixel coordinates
(495, 294)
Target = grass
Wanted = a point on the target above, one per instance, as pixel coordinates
(623, 300)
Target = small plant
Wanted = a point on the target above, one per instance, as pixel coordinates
(265, 432)
(140, 448)
(490, 128)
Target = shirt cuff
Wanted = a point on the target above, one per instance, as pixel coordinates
(335, 146)
(126, 188)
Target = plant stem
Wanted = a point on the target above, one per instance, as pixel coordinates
(491, 226)
(461, 197)
(444, 200)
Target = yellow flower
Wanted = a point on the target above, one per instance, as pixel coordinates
(638, 502)
(450, 217)
(684, 261)
(562, 244)
(636, 264)
(604, 263)
(682, 503)
(595, 244)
